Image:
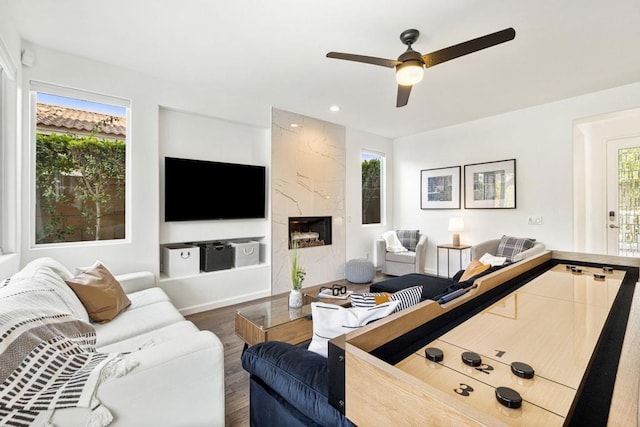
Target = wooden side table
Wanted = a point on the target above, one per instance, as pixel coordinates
(448, 248)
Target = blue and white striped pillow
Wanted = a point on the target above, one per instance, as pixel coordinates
(368, 299)
(407, 297)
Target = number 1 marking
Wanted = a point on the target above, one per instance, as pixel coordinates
(500, 353)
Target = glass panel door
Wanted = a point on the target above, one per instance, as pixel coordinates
(623, 185)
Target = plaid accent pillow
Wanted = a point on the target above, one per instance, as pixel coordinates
(512, 246)
(407, 297)
(408, 238)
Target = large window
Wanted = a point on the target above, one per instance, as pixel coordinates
(80, 166)
(372, 187)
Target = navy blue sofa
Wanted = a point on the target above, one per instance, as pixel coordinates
(289, 385)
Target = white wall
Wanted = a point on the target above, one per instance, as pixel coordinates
(591, 138)
(139, 251)
(147, 96)
(361, 238)
(196, 136)
(539, 138)
(9, 151)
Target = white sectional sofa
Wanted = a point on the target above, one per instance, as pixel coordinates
(176, 372)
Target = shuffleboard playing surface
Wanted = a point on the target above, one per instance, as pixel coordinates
(553, 324)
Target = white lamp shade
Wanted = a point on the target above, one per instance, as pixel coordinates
(456, 224)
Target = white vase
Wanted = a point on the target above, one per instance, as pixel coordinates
(295, 313)
(295, 299)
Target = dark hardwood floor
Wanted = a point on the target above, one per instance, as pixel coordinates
(221, 322)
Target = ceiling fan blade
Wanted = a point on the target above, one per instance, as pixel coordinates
(470, 46)
(390, 63)
(403, 95)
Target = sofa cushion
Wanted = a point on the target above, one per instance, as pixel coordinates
(132, 322)
(431, 285)
(408, 238)
(100, 293)
(49, 273)
(151, 338)
(146, 297)
(474, 267)
(512, 246)
(407, 257)
(299, 376)
(331, 320)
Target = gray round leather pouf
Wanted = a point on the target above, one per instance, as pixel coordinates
(359, 270)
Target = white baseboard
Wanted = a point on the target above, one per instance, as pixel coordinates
(185, 311)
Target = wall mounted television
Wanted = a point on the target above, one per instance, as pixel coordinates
(196, 190)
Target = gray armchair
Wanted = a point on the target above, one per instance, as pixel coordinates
(400, 263)
(491, 246)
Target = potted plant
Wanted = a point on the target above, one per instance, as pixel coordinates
(297, 277)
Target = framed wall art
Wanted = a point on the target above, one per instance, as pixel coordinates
(440, 188)
(490, 185)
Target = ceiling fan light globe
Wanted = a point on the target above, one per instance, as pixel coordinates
(409, 73)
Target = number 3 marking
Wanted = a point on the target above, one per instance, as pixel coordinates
(464, 390)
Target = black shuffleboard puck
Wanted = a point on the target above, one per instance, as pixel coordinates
(508, 397)
(434, 354)
(522, 370)
(472, 359)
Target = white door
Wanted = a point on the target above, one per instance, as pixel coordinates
(623, 196)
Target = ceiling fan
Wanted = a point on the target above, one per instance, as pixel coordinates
(411, 64)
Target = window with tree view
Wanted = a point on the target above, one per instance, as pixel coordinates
(80, 169)
(372, 178)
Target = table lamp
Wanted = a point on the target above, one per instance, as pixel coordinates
(456, 225)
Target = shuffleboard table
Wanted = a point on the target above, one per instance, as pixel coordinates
(555, 343)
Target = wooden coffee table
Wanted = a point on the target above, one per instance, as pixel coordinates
(273, 320)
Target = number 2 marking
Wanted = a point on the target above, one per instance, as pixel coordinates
(463, 390)
(485, 368)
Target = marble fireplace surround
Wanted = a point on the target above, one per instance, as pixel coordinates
(308, 177)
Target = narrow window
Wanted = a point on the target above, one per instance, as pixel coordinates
(80, 168)
(372, 188)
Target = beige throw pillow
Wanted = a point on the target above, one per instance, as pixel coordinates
(100, 293)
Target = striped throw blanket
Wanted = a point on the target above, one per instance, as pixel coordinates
(48, 359)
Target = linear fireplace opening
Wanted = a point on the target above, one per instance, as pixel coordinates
(310, 231)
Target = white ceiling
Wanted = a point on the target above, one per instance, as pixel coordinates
(264, 54)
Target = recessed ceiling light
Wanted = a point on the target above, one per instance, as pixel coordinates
(294, 125)
(334, 108)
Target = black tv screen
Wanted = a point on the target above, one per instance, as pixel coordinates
(203, 190)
